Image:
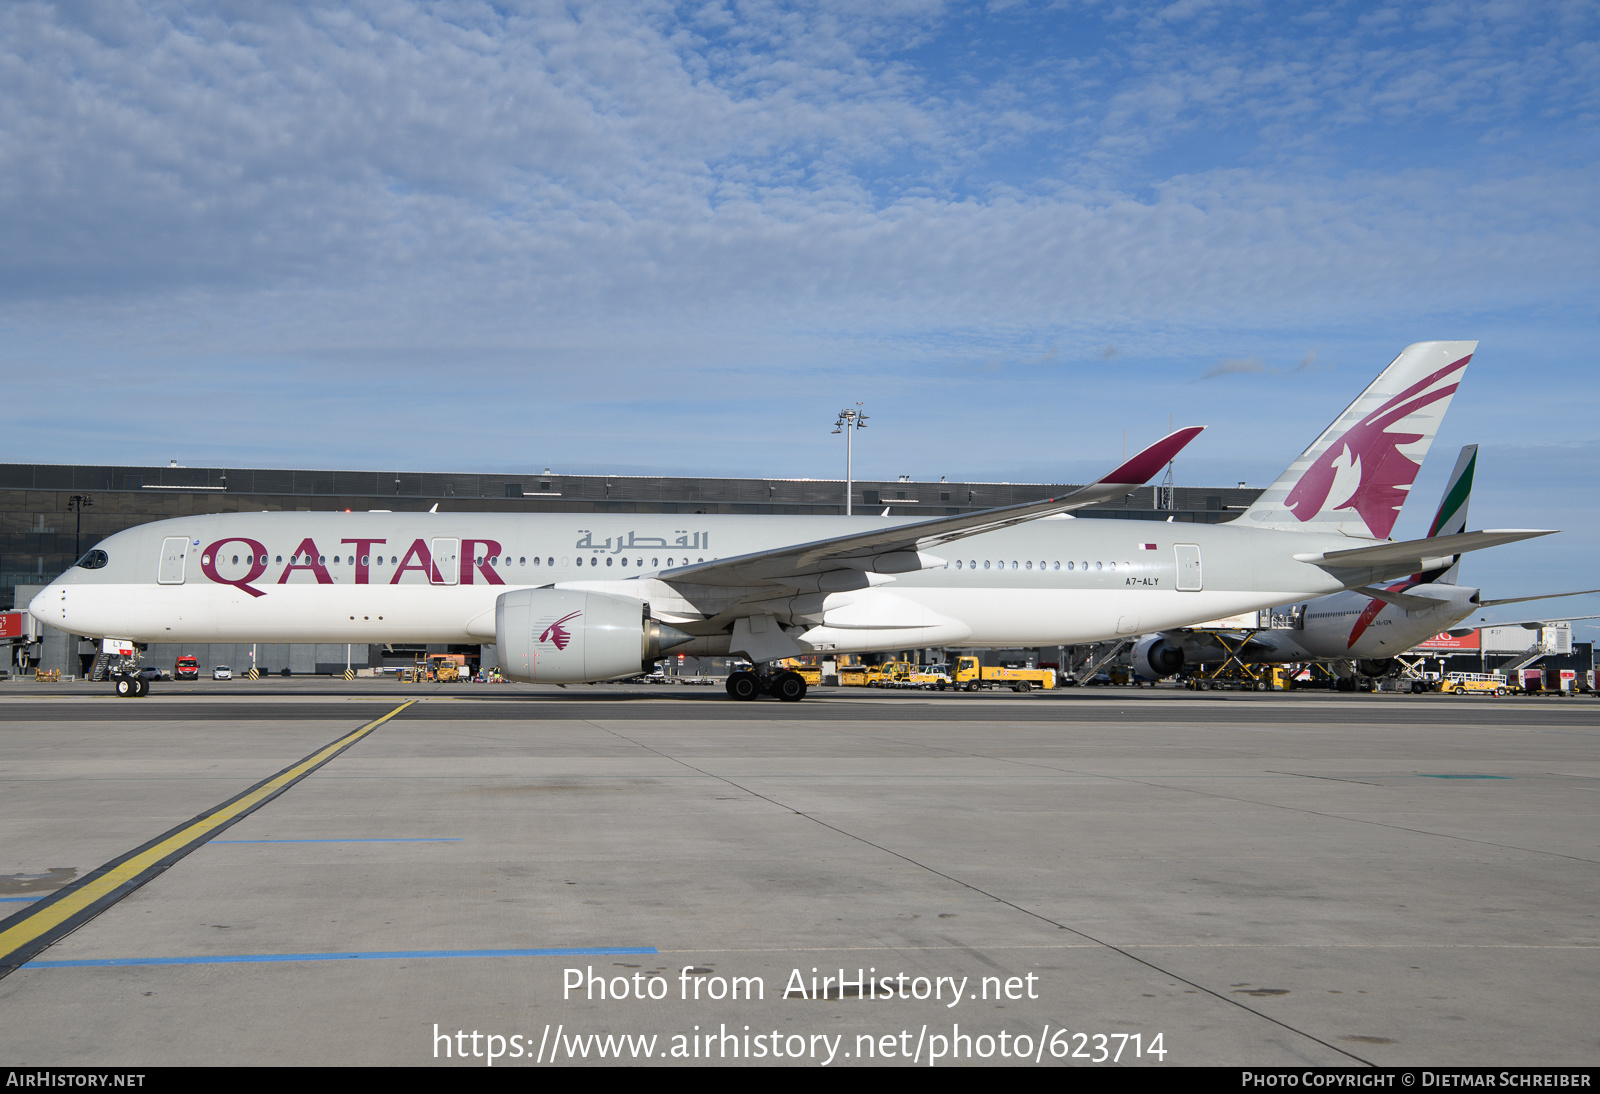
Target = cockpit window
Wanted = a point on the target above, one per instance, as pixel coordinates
(93, 560)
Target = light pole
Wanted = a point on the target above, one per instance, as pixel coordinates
(77, 504)
(849, 421)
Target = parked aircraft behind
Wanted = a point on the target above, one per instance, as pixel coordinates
(1368, 626)
(568, 598)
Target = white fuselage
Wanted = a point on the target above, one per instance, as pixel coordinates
(1349, 626)
(435, 577)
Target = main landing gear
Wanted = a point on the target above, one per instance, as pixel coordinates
(788, 686)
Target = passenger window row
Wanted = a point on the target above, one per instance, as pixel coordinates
(973, 564)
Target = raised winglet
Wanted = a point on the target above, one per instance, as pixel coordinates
(1144, 466)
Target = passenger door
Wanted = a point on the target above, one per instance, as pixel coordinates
(446, 562)
(174, 552)
(1188, 555)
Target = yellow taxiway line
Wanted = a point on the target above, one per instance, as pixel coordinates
(25, 934)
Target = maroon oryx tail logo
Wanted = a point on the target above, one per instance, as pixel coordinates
(1368, 449)
(558, 634)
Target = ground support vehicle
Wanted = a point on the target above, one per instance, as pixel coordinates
(856, 676)
(874, 676)
(971, 676)
(1474, 683)
(807, 667)
(929, 677)
(896, 674)
(1233, 676)
(448, 667)
(1546, 681)
(186, 667)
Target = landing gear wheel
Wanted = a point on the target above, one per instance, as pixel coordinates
(126, 688)
(789, 687)
(142, 688)
(744, 686)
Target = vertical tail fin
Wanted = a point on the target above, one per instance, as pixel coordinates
(1354, 477)
(1451, 519)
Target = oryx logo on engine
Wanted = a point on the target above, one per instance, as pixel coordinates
(557, 634)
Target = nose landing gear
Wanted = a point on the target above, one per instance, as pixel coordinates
(130, 687)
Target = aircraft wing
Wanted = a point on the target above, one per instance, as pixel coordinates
(1415, 555)
(1525, 624)
(1541, 596)
(845, 561)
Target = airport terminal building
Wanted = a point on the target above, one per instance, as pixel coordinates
(50, 514)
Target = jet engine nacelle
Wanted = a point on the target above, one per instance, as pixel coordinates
(1155, 657)
(1375, 667)
(571, 636)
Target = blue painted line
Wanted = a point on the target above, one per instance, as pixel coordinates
(369, 955)
(418, 840)
(18, 899)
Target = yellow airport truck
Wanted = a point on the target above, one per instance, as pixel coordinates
(807, 667)
(971, 676)
(888, 674)
(1473, 683)
(857, 676)
(445, 668)
(929, 677)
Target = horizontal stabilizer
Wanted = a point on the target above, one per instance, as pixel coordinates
(1419, 554)
(1409, 601)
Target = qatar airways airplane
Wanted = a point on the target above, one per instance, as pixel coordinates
(1367, 626)
(572, 598)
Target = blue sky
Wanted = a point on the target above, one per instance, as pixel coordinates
(677, 238)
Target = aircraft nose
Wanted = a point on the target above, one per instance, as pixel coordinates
(40, 603)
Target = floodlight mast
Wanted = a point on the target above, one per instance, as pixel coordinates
(849, 421)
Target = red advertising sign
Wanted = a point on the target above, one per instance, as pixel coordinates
(1445, 642)
(10, 624)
